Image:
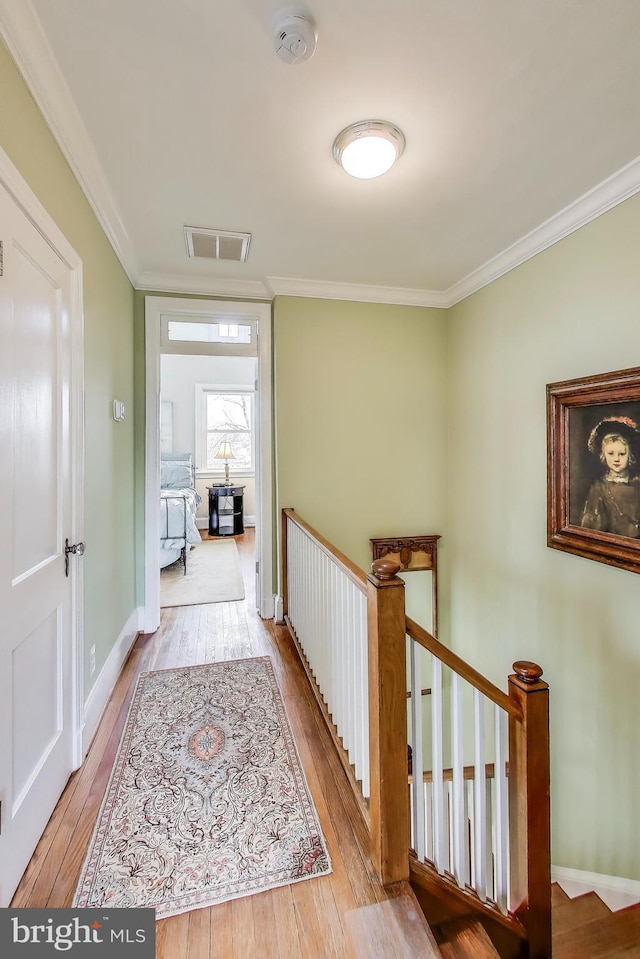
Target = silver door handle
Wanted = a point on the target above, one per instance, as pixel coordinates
(77, 549)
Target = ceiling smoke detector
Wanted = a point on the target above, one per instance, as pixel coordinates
(294, 38)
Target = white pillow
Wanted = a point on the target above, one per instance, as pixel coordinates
(175, 474)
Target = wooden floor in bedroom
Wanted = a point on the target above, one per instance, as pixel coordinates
(302, 921)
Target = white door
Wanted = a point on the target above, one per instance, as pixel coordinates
(37, 697)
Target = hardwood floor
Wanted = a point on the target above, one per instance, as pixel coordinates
(301, 921)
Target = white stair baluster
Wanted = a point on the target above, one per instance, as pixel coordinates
(501, 811)
(480, 802)
(364, 696)
(417, 792)
(458, 819)
(440, 838)
(428, 820)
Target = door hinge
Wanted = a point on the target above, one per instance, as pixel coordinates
(0, 817)
(1, 260)
(257, 567)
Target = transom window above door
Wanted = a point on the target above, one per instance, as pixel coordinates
(219, 334)
(179, 331)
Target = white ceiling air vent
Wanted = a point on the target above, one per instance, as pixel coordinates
(294, 38)
(217, 244)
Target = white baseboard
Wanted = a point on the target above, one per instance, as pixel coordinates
(278, 609)
(103, 686)
(265, 608)
(616, 891)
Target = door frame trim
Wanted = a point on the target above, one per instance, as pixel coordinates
(17, 186)
(155, 307)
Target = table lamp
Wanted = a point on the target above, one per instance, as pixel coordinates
(225, 453)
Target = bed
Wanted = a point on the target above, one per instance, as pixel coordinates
(179, 503)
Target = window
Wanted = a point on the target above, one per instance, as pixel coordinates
(225, 415)
(222, 333)
(181, 331)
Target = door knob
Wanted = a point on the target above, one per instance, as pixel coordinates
(77, 549)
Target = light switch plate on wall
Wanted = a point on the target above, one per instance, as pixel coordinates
(119, 410)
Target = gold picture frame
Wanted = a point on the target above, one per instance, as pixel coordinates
(593, 498)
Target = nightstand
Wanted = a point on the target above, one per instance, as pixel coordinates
(225, 510)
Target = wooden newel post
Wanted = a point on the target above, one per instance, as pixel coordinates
(529, 807)
(388, 721)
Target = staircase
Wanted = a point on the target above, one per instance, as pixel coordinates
(583, 928)
(397, 929)
(466, 939)
(464, 839)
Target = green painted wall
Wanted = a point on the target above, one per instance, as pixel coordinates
(398, 420)
(360, 418)
(571, 311)
(108, 317)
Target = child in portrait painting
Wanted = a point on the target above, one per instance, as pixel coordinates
(613, 503)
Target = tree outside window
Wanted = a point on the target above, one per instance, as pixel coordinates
(229, 416)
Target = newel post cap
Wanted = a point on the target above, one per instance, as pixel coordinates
(527, 672)
(385, 569)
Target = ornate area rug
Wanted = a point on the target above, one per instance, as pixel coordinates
(207, 800)
(213, 576)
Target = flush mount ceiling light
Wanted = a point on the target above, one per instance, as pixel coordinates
(369, 148)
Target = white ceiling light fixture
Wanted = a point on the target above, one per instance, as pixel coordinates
(369, 148)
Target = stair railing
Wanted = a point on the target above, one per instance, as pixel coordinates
(459, 802)
(479, 786)
(325, 607)
(478, 827)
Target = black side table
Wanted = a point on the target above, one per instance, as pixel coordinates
(225, 510)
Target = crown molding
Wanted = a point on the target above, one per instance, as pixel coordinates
(22, 32)
(617, 188)
(203, 285)
(24, 36)
(360, 292)
(287, 286)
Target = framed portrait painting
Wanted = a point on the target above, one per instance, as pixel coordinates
(593, 467)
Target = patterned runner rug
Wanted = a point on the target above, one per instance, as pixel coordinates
(207, 800)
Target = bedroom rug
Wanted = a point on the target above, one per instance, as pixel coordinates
(207, 800)
(213, 576)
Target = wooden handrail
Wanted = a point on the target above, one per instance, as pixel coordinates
(355, 574)
(471, 675)
(526, 705)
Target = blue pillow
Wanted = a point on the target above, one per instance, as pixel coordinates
(175, 474)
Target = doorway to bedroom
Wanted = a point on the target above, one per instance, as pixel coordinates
(207, 438)
(208, 433)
